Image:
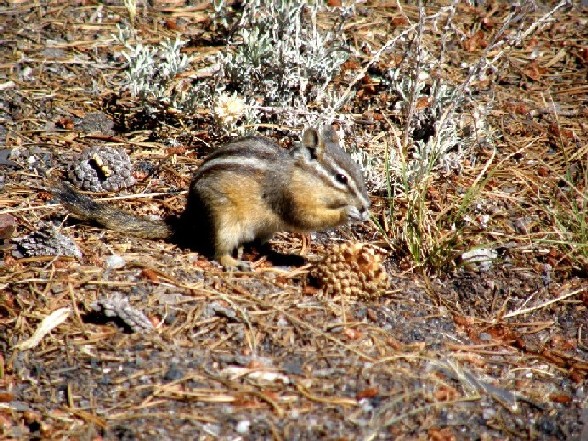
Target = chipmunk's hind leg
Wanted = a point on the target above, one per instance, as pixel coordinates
(227, 240)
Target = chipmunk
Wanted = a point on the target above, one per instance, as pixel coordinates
(248, 190)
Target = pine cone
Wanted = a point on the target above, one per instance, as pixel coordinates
(102, 169)
(351, 269)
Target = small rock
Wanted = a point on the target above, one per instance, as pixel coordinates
(484, 336)
(115, 261)
(243, 427)
(521, 225)
(488, 413)
(173, 373)
(293, 366)
(218, 310)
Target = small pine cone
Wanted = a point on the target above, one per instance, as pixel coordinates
(102, 169)
(352, 270)
(119, 307)
(46, 242)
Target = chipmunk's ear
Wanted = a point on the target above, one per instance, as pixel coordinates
(312, 143)
(329, 136)
(310, 138)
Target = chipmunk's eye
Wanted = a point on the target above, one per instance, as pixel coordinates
(341, 178)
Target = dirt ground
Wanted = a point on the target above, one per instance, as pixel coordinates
(449, 351)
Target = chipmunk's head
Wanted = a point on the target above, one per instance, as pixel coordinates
(340, 183)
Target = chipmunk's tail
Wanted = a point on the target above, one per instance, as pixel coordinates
(86, 209)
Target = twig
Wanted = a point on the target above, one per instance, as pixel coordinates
(544, 304)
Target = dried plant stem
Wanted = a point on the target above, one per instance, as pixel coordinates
(544, 304)
(414, 92)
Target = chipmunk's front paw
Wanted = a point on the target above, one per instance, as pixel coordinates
(231, 264)
(355, 214)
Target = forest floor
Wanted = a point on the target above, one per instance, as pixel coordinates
(453, 349)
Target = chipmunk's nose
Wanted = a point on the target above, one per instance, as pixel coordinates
(364, 212)
(365, 215)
